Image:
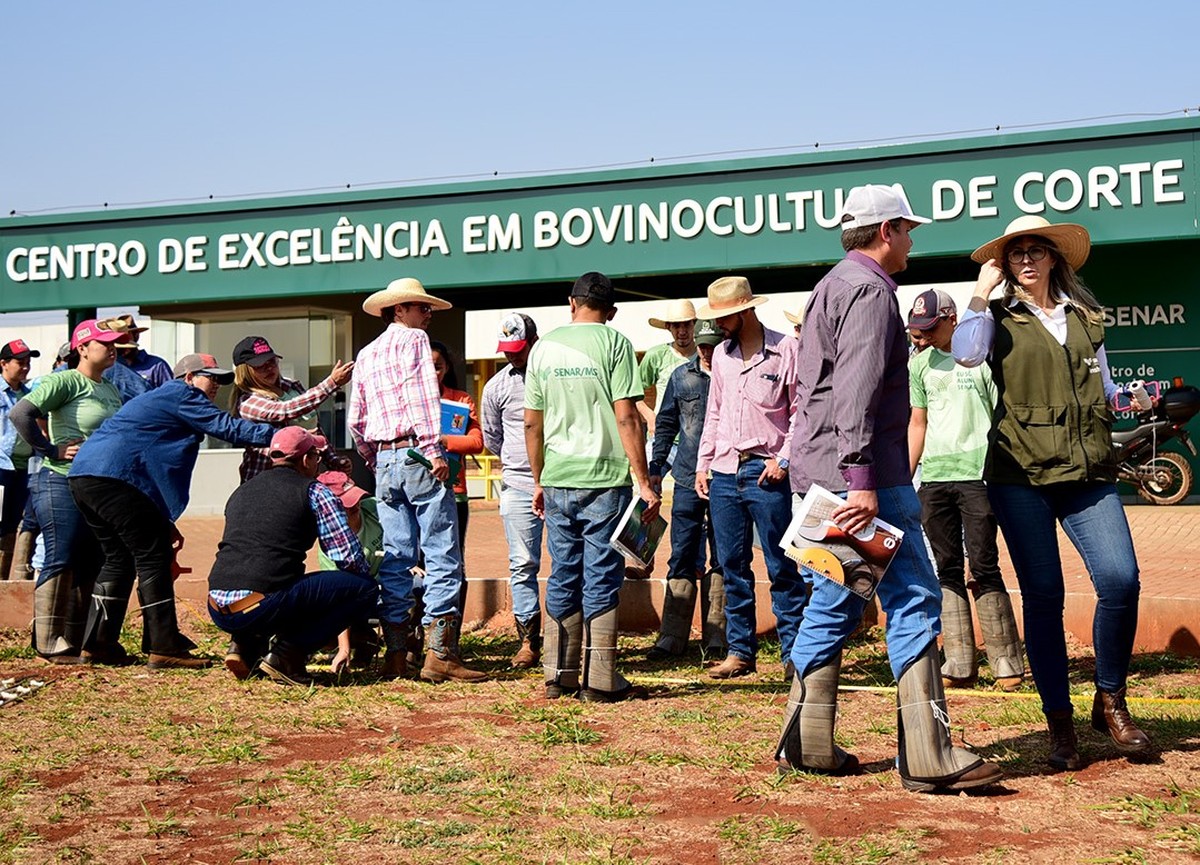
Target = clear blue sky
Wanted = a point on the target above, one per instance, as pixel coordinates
(127, 102)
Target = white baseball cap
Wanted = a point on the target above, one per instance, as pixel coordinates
(874, 203)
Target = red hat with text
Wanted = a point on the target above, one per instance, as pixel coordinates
(17, 350)
(343, 487)
(93, 331)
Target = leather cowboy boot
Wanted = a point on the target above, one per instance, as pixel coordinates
(7, 543)
(286, 664)
(245, 652)
(806, 743)
(958, 641)
(1111, 715)
(928, 761)
(22, 556)
(679, 605)
(601, 681)
(999, 628)
(364, 645)
(395, 656)
(530, 652)
(1064, 747)
(442, 660)
(712, 614)
(51, 603)
(562, 655)
(102, 636)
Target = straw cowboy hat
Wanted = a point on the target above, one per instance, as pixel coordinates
(398, 291)
(728, 295)
(677, 311)
(1072, 241)
(796, 318)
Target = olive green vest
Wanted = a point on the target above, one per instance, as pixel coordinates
(1052, 422)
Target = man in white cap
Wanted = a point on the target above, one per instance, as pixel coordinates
(395, 412)
(948, 435)
(853, 370)
(502, 415)
(748, 430)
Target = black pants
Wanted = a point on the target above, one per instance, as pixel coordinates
(16, 494)
(950, 512)
(136, 539)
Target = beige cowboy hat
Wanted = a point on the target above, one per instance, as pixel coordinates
(796, 318)
(398, 291)
(728, 295)
(677, 311)
(1071, 240)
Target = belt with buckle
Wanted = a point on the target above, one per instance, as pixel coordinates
(746, 457)
(244, 605)
(396, 444)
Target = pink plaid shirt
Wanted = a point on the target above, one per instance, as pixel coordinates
(394, 393)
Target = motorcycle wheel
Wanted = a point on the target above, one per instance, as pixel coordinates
(1170, 479)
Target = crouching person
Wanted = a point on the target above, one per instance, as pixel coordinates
(258, 591)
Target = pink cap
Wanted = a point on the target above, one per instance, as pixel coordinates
(343, 487)
(91, 331)
(295, 441)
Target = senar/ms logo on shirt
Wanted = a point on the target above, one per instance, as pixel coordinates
(576, 372)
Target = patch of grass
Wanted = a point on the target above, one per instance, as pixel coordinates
(1147, 811)
(1128, 856)
(1184, 838)
(263, 850)
(564, 727)
(898, 846)
(418, 833)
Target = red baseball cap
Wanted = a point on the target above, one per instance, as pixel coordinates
(17, 349)
(343, 487)
(295, 441)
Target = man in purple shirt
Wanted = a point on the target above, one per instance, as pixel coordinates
(745, 445)
(852, 438)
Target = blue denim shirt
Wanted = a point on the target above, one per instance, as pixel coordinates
(152, 443)
(8, 434)
(681, 414)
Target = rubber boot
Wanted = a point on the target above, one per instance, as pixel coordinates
(712, 614)
(161, 638)
(7, 544)
(679, 605)
(102, 635)
(530, 652)
(562, 655)
(1064, 747)
(601, 682)
(395, 656)
(22, 556)
(51, 606)
(806, 743)
(958, 641)
(442, 660)
(999, 628)
(928, 761)
(79, 605)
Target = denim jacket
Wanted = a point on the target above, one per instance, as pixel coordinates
(681, 414)
(8, 434)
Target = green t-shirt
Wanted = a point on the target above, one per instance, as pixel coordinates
(959, 402)
(575, 374)
(657, 365)
(370, 535)
(76, 406)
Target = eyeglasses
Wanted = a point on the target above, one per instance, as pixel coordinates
(1017, 255)
(423, 308)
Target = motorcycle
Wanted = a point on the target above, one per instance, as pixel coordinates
(1161, 477)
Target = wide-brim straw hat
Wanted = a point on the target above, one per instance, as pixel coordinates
(403, 290)
(796, 318)
(1072, 240)
(729, 295)
(677, 311)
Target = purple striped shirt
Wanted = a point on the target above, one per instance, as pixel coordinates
(852, 423)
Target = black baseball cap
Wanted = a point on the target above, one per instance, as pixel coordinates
(254, 350)
(595, 286)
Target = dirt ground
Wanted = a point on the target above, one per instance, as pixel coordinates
(129, 765)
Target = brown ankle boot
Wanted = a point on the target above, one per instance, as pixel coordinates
(530, 653)
(442, 661)
(1064, 748)
(1110, 715)
(395, 657)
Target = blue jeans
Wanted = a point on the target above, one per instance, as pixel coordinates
(1094, 519)
(586, 573)
(418, 516)
(308, 613)
(738, 504)
(69, 543)
(909, 594)
(688, 534)
(523, 531)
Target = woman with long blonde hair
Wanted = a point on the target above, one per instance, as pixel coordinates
(262, 394)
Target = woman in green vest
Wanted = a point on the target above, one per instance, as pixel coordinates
(1050, 459)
